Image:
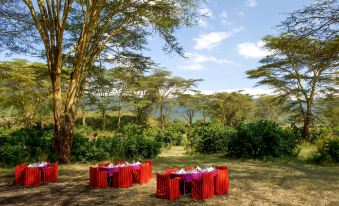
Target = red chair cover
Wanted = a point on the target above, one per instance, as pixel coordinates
(221, 167)
(103, 164)
(168, 171)
(141, 175)
(222, 180)
(32, 176)
(144, 173)
(48, 174)
(167, 188)
(56, 171)
(19, 173)
(101, 178)
(123, 178)
(92, 177)
(97, 178)
(150, 168)
(190, 168)
(203, 188)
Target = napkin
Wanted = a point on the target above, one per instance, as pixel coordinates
(181, 171)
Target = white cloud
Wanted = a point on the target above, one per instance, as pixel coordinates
(196, 61)
(213, 39)
(240, 13)
(224, 15)
(251, 3)
(253, 50)
(251, 91)
(224, 18)
(205, 13)
(199, 58)
(192, 66)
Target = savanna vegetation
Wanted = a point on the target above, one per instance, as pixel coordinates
(96, 97)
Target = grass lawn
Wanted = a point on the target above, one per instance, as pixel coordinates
(252, 182)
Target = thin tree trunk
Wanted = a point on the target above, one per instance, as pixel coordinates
(119, 117)
(306, 129)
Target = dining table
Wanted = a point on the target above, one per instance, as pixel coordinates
(188, 176)
(116, 168)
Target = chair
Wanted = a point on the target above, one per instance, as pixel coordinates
(141, 175)
(32, 176)
(56, 171)
(48, 174)
(123, 178)
(97, 178)
(167, 188)
(19, 173)
(150, 168)
(218, 167)
(168, 171)
(222, 180)
(203, 188)
(103, 164)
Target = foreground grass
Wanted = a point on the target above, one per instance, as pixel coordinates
(252, 182)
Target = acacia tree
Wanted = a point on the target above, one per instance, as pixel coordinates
(122, 81)
(80, 31)
(300, 71)
(167, 91)
(25, 87)
(230, 108)
(318, 20)
(191, 103)
(99, 88)
(268, 107)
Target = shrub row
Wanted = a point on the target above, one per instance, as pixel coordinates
(131, 142)
(256, 139)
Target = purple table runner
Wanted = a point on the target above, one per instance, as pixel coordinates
(189, 176)
(111, 170)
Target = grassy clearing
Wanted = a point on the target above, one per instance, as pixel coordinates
(252, 182)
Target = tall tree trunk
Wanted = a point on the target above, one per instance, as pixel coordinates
(103, 116)
(54, 65)
(161, 118)
(119, 117)
(306, 129)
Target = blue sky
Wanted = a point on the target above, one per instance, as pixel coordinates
(224, 44)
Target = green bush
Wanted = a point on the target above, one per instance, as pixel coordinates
(263, 138)
(27, 144)
(210, 137)
(327, 149)
(140, 142)
(320, 132)
(84, 150)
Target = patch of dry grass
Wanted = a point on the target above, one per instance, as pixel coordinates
(252, 182)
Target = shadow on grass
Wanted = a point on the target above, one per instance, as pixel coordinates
(252, 182)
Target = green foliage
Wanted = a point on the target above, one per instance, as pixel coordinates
(210, 137)
(263, 138)
(321, 132)
(27, 144)
(327, 149)
(85, 150)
